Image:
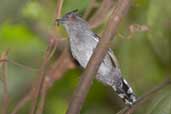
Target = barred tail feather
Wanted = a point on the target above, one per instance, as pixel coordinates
(125, 92)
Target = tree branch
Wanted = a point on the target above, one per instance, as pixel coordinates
(98, 55)
(101, 14)
(38, 86)
(62, 64)
(59, 8)
(92, 4)
(41, 88)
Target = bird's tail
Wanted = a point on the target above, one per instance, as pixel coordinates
(125, 91)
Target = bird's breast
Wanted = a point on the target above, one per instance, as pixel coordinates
(82, 49)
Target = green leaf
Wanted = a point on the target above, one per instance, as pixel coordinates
(159, 17)
(161, 104)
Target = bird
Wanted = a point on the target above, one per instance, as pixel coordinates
(82, 42)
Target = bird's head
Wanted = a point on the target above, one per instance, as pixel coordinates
(72, 20)
(68, 18)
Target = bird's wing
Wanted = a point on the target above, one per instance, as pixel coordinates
(113, 58)
(122, 88)
(110, 52)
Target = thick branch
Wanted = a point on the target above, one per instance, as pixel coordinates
(93, 65)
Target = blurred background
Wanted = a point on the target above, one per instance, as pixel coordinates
(142, 46)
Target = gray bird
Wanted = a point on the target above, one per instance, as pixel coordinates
(82, 43)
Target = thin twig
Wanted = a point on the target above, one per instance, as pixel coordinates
(59, 8)
(42, 84)
(5, 83)
(50, 51)
(52, 42)
(42, 99)
(98, 55)
(145, 97)
(40, 80)
(92, 4)
(63, 63)
(22, 66)
(18, 64)
(22, 102)
(101, 13)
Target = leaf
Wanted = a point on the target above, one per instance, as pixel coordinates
(161, 104)
(159, 17)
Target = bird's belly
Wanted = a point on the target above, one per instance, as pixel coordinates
(82, 54)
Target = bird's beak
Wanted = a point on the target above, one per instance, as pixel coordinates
(60, 21)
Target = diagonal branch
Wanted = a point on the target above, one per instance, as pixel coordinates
(40, 81)
(92, 4)
(41, 91)
(62, 64)
(98, 55)
(101, 14)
